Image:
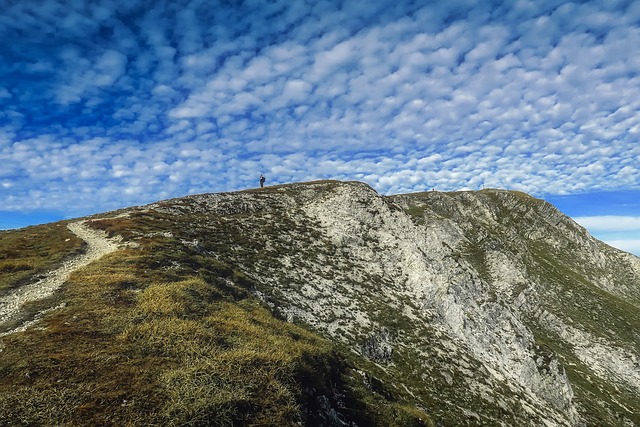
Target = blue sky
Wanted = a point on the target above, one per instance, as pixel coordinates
(107, 104)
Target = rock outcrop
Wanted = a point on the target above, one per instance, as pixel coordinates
(489, 307)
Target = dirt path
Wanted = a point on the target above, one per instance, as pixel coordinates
(97, 246)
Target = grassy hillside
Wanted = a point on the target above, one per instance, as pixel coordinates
(162, 335)
(205, 319)
(33, 250)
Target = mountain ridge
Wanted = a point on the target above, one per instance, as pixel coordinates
(479, 308)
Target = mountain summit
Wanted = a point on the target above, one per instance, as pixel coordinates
(321, 303)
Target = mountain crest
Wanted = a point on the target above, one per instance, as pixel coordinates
(465, 308)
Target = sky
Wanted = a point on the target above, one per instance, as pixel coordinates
(113, 103)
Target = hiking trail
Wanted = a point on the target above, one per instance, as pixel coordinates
(11, 304)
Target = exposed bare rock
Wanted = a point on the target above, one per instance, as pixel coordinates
(486, 308)
(493, 304)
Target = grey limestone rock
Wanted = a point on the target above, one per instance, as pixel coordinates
(492, 307)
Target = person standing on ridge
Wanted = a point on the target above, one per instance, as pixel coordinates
(262, 180)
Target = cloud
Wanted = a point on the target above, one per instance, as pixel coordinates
(619, 231)
(627, 245)
(609, 223)
(296, 91)
(407, 96)
(110, 66)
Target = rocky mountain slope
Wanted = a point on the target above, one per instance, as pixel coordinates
(469, 308)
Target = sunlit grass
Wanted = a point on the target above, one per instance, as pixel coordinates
(27, 252)
(165, 336)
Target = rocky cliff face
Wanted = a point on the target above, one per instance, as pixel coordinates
(476, 308)
(490, 307)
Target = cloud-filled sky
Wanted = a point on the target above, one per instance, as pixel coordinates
(112, 103)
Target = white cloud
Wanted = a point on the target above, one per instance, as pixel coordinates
(296, 91)
(192, 110)
(630, 245)
(619, 231)
(609, 223)
(81, 77)
(538, 98)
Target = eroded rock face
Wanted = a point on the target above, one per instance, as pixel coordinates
(491, 307)
(421, 265)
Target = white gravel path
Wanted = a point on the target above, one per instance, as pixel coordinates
(98, 245)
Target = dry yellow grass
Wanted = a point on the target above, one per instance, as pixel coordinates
(140, 344)
(29, 251)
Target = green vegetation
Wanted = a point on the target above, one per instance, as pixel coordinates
(171, 332)
(28, 252)
(590, 390)
(566, 283)
(416, 213)
(167, 335)
(605, 315)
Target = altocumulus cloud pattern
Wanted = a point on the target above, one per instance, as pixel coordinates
(111, 103)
